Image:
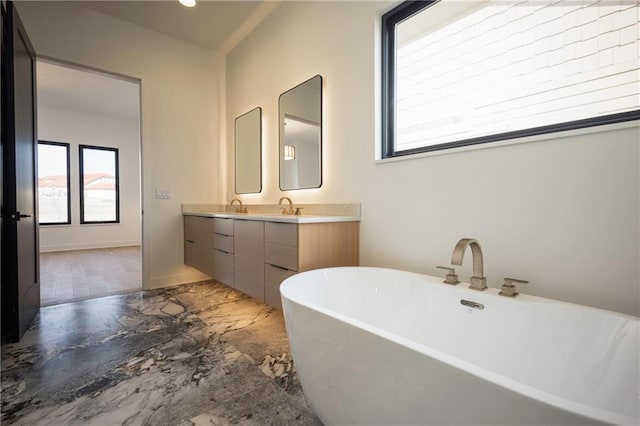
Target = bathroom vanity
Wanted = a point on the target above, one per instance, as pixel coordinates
(254, 253)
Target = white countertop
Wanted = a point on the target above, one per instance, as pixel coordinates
(265, 217)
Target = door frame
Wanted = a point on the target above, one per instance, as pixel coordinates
(138, 81)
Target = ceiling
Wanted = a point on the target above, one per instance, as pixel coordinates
(213, 24)
(65, 88)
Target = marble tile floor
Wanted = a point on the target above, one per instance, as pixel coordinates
(197, 354)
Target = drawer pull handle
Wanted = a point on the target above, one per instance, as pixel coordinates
(279, 267)
(190, 241)
(222, 251)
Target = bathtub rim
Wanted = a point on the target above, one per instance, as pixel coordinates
(571, 406)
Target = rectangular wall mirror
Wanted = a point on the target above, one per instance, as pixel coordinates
(300, 121)
(248, 155)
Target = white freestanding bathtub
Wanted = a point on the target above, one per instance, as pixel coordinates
(380, 346)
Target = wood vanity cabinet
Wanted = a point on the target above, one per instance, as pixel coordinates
(209, 246)
(256, 256)
(291, 248)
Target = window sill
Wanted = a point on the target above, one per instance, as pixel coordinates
(528, 139)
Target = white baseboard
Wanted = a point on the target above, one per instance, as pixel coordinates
(178, 279)
(85, 246)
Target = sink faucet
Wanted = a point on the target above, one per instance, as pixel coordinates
(478, 281)
(285, 210)
(240, 208)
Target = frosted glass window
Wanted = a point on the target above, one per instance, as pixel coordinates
(460, 73)
(99, 196)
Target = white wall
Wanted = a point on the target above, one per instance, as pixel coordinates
(562, 213)
(181, 95)
(77, 128)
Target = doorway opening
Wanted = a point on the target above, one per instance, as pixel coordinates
(89, 183)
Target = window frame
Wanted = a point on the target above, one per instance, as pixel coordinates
(81, 148)
(406, 10)
(68, 157)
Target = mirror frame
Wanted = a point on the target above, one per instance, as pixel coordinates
(281, 135)
(235, 151)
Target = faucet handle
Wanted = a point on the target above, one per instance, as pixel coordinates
(298, 211)
(508, 289)
(451, 278)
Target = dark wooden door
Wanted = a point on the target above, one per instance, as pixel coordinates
(20, 269)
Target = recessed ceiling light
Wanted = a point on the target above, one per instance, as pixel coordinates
(188, 3)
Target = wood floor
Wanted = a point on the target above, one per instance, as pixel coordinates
(84, 274)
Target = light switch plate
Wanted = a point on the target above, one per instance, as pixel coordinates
(163, 194)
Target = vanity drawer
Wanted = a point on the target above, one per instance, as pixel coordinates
(281, 233)
(273, 277)
(222, 259)
(223, 242)
(222, 226)
(281, 255)
(223, 267)
(196, 227)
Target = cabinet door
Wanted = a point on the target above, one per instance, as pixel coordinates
(191, 228)
(198, 243)
(193, 255)
(273, 277)
(279, 255)
(281, 244)
(190, 253)
(281, 233)
(206, 260)
(249, 257)
(223, 267)
(197, 227)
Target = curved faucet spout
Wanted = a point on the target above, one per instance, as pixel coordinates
(241, 208)
(478, 281)
(288, 210)
(476, 252)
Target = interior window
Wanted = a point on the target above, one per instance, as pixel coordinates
(99, 195)
(53, 183)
